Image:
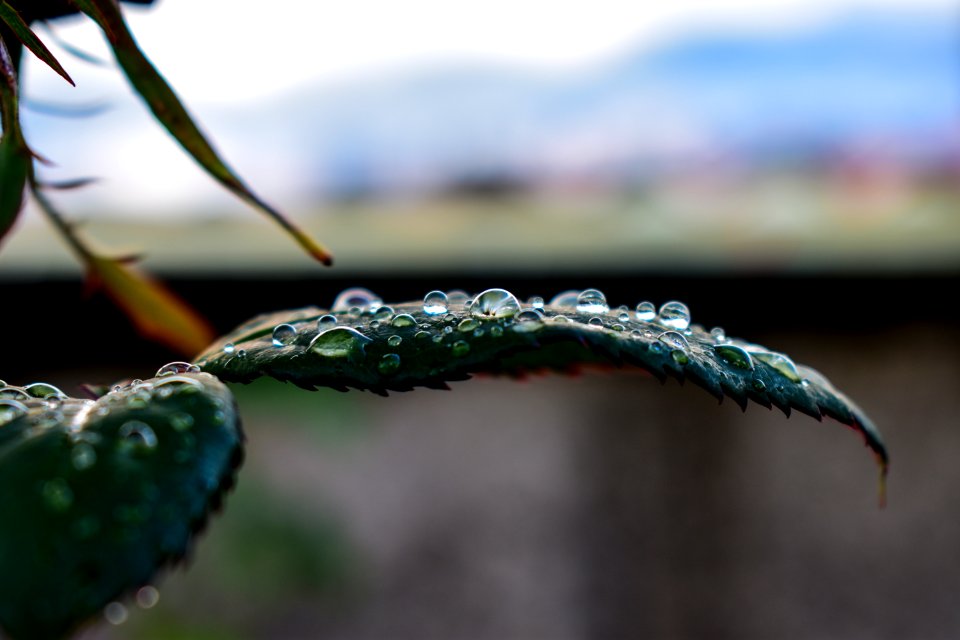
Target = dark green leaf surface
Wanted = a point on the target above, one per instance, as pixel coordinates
(403, 346)
(169, 111)
(23, 32)
(96, 496)
(15, 157)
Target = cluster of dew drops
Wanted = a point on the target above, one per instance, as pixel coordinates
(496, 310)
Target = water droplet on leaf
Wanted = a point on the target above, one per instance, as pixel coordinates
(356, 297)
(389, 364)
(674, 315)
(435, 303)
(592, 301)
(339, 342)
(284, 334)
(495, 303)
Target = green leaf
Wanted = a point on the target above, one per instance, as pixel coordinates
(97, 496)
(23, 32)
(169, 111)
(407, 345)
(15, 157)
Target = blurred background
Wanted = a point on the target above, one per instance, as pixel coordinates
(790, 170)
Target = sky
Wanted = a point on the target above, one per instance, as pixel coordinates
(230, 55)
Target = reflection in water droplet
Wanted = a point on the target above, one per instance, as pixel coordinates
(566, 300)
(719, 335)
(57, 494)
(403, 321)
(674, 340)
(536, 302)
(394, 341)
(528, 320)
(460, 348)
(148, 597)
(495, 303)
(383, 314)
(362, 299)
(137, 436)
(176, 368)
(326, 322)
(675, 315)
(388, 364)
(623, 316)
(467, 324)
(83, 456)
(592, 301)
(646, 311)
(115, 613)
(435, 303)
(734, 356)
(339, 342)
(284, 334)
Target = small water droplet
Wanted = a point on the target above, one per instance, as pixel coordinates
(438, 337)
(674, 340)
(675, 315)
(83, 456)
(421, 335)
(229, 348)
(646, 311)
(536, 302)
(733, 355)
(435, 303)
(595, 321)
(181, 421)
(496, 331)
(592, 301)
(374, 324)
(460, 348)
(339, 342)
(137, 436)
(561, 318)
(679, 356)
(623, 316)
(326, 322)
(467, 324)
(618, 327)
(356, 297)
(759, 385)
(719, 335)
(284, 334)
(448, 330)
(528, 320)
(115, 613)
(147, 597)
(394, 341)
(403, 321)
(57, 494)
(635, 334)
(495, 303)
(389, 364)
(565, 300)
(478, 332)
(241, 353)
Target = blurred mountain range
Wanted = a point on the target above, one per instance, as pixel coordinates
(886, 83)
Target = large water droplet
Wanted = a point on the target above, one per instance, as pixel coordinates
(358, 297)
(326, 322)
(780, 362)
(339, 342)
(733, 355)
(592, 301)
(389, 364)
(646, 311)
(674, 315)
(44, 390)
(674, 340)
(495, 303)
(137, 436)
(403, 321)
(15, 393)
(10, 410)
(176, 368)
(566, 300)
(384, 314)
(435, 303)
(284, 334)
